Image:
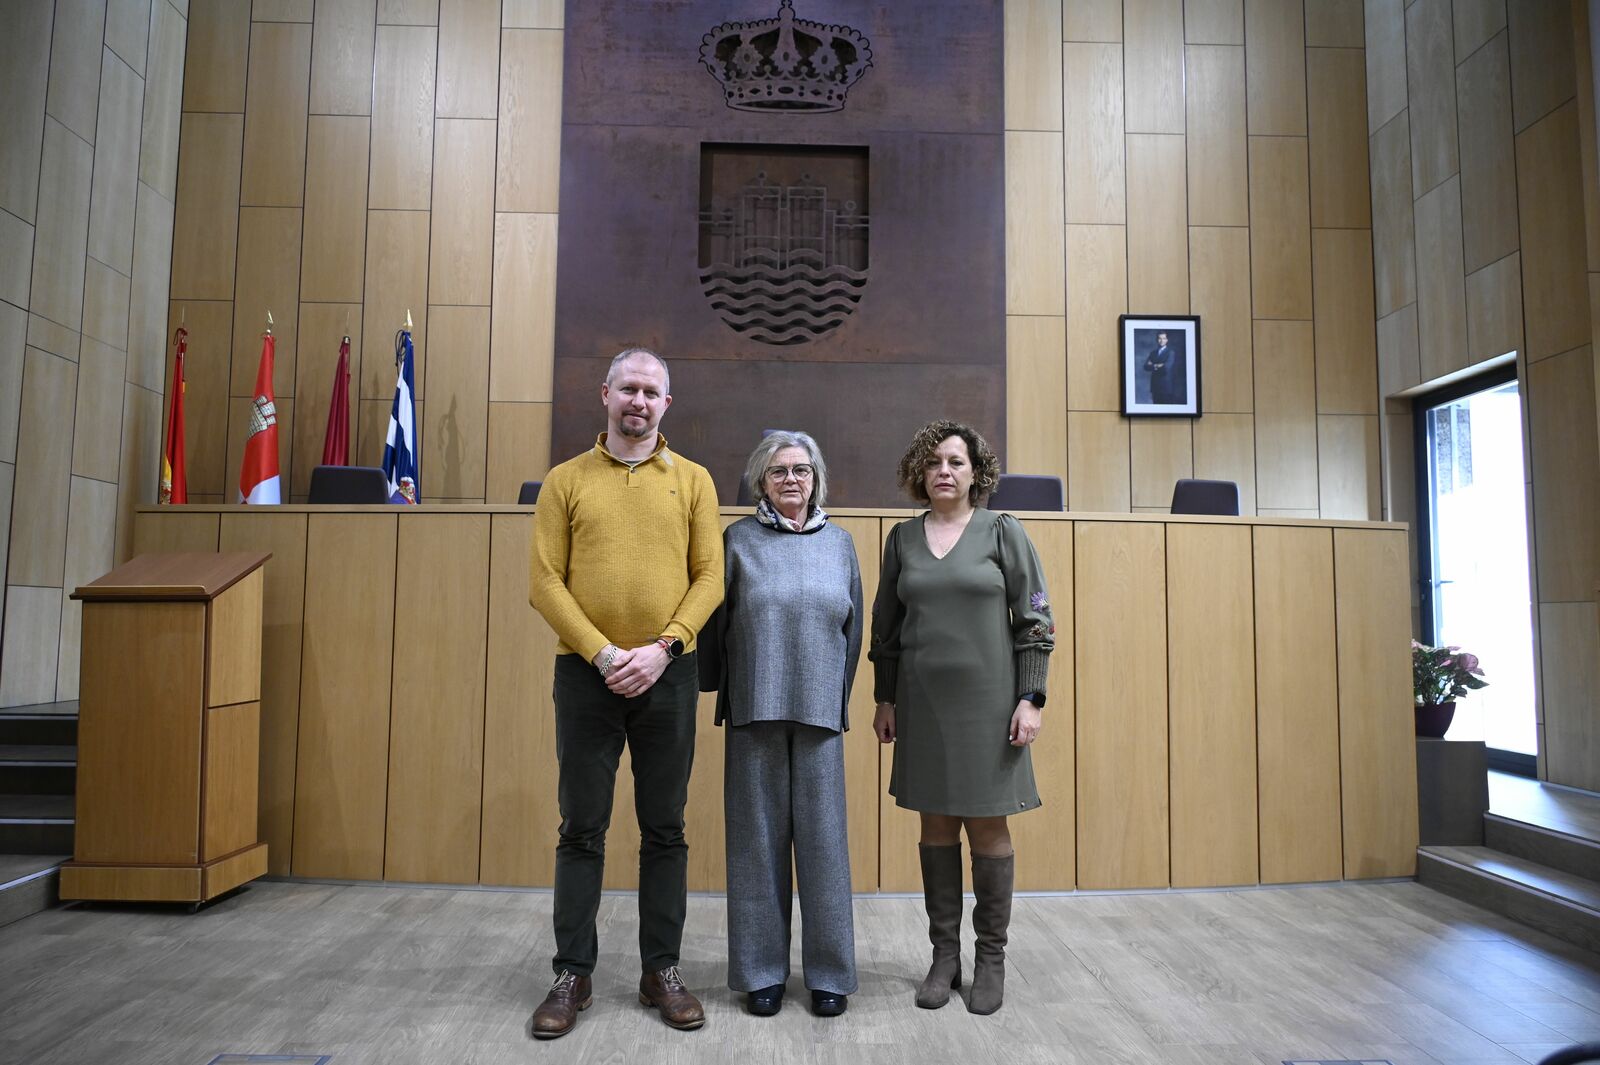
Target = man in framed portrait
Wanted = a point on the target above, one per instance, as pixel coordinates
(1168, 380)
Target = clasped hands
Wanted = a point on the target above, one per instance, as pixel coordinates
(1026, 721)
(632, 672)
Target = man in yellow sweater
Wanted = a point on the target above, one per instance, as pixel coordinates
(626, 567)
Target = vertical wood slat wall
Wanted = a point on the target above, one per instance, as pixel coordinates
(1166, 157)
(418, 744)
(341, 163)
(88, 153)
(1486, 241)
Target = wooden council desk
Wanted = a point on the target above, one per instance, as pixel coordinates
(1230, 703)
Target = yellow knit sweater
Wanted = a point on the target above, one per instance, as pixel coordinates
(625, 555)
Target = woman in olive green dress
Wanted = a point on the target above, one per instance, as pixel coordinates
(961, 640)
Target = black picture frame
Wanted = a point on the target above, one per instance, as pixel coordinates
(1165, 387)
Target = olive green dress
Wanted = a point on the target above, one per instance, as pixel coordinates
(955, 641)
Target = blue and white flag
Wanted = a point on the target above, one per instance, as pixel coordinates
(400, 448)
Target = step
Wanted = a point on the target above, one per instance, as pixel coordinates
(31, 754)
(36, 824)
(38, 768)
(28, 884)
(33, 729)
(1556, 902)
(1553, 847)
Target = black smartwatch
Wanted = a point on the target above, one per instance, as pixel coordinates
(673, 647)
(1036, 698)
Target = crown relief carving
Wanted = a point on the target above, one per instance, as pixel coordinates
(785, 63)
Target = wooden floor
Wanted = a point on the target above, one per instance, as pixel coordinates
(1568, 810)
(374, 974)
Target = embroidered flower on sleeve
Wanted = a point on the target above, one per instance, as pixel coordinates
(1038, 601)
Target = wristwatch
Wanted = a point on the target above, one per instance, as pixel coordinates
(1036, 698)
(673, 647)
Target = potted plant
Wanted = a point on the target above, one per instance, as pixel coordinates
(1440, 676)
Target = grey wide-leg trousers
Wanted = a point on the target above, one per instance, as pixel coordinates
(783, 790)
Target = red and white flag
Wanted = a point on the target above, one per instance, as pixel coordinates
(258, 480)
(174, 476)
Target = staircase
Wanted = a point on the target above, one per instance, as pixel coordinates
(38, 776)
(1540, 862)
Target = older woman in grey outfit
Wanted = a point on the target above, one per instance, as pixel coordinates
(786, 642)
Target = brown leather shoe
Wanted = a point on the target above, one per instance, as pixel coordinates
(558, 1013)
(665, 991)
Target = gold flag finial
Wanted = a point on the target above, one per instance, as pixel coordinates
(408, 319)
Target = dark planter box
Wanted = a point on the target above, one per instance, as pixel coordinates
(1452, 791)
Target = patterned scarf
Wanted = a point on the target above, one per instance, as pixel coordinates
(767, 515)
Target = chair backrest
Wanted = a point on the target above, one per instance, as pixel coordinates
(1193, 496)
(348, 484)
(1026, 491)
(529, 494)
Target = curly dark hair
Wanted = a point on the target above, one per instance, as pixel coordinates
(985, 465)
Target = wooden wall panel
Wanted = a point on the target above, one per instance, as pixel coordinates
(147, 297)
(1225, 450)
(1217, 169)
(1213, 21)
(1120, 617)
(348, 646)
(206, 370)
(534, 14)
(1475, 22)
(1346, 336)
(1542, 67)
(322, 325)
(408, 12)
(331, 269)
(275, 125)
(1569, 648)
(520, 813)
(402, 118)
(282, 617)
(1394, 250)
(1399, 358)
(1036, 395)
(1549, 199)
(397, 281)
(25, 56)
(1286, 415)
(97, 425)
(437, 718)
(1092, 20)
(469, 39)
(1035, 283)
(1161, 450)
(1275, 67)
(1092, 88)
(16, 257)
(105, 306)
(1097, 462)
(61, 236)
(1219, 292)
(1494, 309)
(455, 426)
(281, 10)
(341, 63)
(1349, 481)
(1335, 24)
(1488, 156)
(461, 252)
(1297, 715)
(116, 165)
(519, 448)
(1153, 48)
(176, 531)
(1046, 843)
(1431, 93)
(268, 279)
(218, 55)
(1158, 267)
(1566, 478)
(43, 475)
(528, 167)
(861, 747)
(1377, 762)
(1441, 284)
(1097, 292)
(1280, 231)
(1340, 184)
(1386, 61)
(1032, 69)
(158, 156)
(204, 227)
(1211, 705)
(33, 624)
(91, 547)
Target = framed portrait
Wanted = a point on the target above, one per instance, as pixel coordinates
(1160, 365)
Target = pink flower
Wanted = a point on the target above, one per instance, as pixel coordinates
(1468, 662)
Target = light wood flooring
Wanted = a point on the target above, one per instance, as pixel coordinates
(393, 975)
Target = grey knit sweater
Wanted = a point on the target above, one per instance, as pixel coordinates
(784, 644)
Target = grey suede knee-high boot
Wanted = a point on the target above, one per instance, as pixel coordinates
(992, 881)
(941, 893)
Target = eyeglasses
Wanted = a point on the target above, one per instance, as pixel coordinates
(781, 473)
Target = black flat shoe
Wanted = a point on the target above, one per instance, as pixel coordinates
(766, 1002)
(828, 1004)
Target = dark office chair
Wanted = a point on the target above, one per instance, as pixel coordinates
(1192, 496)
(1026, 491)
(529, 495)
(348, 484)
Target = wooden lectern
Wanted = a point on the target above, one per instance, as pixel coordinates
(169, 711)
